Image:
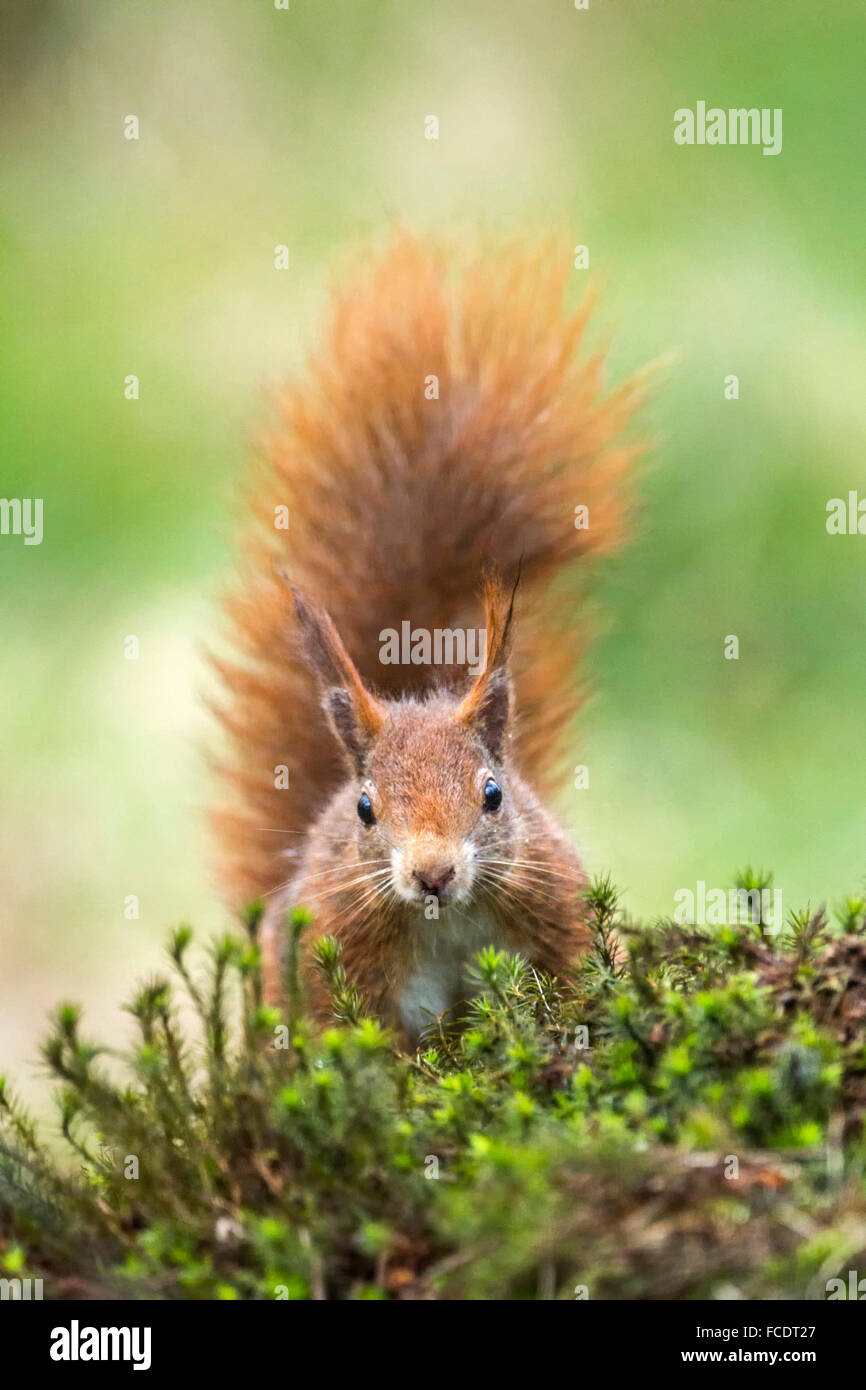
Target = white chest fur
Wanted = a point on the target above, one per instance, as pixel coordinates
(437, 979)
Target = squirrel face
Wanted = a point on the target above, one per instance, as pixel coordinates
(434, 803)
(433, 796)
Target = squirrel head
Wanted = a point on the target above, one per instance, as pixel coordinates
(434, 800)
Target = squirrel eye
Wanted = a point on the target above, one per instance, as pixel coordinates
(365, 810)
(492, 795)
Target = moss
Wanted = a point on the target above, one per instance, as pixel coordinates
(683, 1118)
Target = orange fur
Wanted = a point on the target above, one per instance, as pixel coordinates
(397, 503)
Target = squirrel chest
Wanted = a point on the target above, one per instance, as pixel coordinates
(436, 979)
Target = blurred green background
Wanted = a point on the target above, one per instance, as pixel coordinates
(155, 257)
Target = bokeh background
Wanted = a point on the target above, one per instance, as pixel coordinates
(155, 257)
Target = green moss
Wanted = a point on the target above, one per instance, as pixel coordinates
(683, 1115)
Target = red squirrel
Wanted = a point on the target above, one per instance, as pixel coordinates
(449, 428)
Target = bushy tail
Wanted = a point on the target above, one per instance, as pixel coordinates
(447, 421)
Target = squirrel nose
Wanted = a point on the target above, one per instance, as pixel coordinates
(434, 878)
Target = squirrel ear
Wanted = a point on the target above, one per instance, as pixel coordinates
(487, 706)
(355, 715)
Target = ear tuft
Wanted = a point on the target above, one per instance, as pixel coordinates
(339, 708)
(356, 716)
(487, 707)
(491, 715)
